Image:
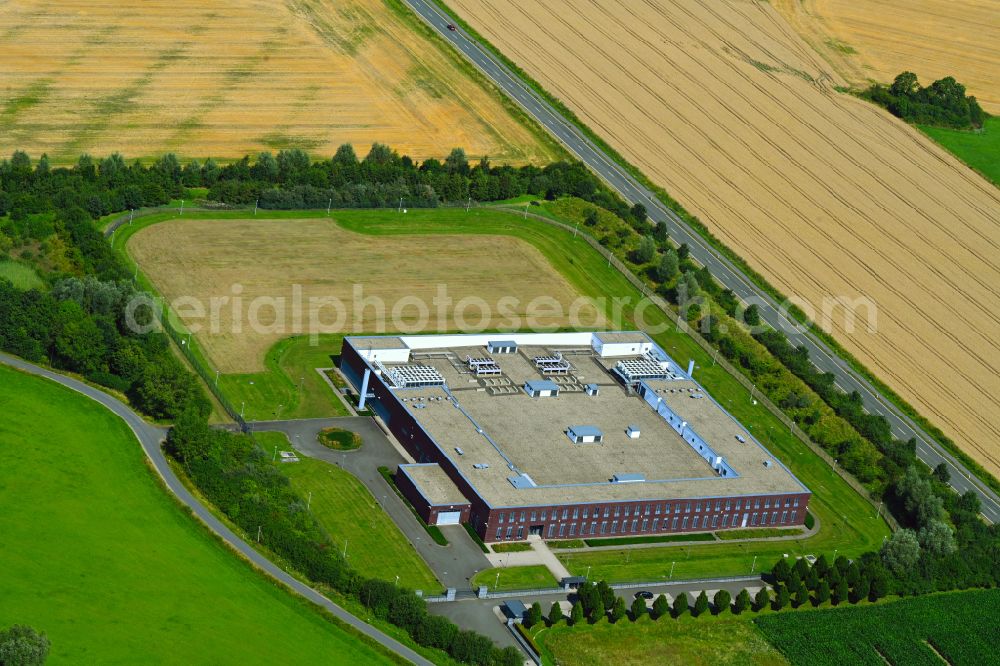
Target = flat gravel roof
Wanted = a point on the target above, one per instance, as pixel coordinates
(495, 423)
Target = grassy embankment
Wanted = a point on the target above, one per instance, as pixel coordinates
(88, 534)
(847, 520)
(347, 512)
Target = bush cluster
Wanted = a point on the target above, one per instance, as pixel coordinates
(942, 103)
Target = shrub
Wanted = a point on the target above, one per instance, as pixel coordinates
(680, 604)
(20, 645)
(761, 599)
(742, 602)
(661, 607)
(618, 610)
(723, 599)
(598, 612)
(700, 604)
(638, 608)
(555, 614)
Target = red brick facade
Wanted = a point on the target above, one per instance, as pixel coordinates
(429, 512)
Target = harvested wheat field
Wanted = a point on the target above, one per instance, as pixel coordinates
(730, 111)
(270, 259)
(867, 40)
(205, 78)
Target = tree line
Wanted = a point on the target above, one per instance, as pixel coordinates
(942, 103)
(797, 585)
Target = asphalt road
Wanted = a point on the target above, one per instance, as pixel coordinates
(928, 450)
(150, 437)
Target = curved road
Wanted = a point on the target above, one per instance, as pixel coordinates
(903, 427)
(150, 437)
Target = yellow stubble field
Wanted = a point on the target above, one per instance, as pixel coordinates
(380, 282)
(205, 78)
(868, 40)
(727, 108)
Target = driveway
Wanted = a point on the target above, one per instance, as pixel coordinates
(454, 564)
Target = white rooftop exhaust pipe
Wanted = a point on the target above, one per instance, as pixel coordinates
(364, 389)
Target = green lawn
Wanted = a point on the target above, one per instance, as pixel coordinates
(661, 538)
(21, 275)
(707, 640)
(349, 513)
(980, 150)
(759, 533)
(515, 578)
(290, 388)
(94, 552)
(847, 520)
(511, 547)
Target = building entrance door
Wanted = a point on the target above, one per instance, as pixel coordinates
(536, 530)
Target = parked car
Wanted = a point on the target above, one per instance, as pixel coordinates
(644, 594)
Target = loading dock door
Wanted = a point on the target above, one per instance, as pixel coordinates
(449, 518)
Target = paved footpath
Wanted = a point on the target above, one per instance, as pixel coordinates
(150, 437)
(540, 554)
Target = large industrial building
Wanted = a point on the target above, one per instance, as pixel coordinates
(566, 435)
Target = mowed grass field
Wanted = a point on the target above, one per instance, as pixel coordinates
(878, 39)
(223, 79)
(289, 386)
(848, 522)
(95, 553)
(350, 515)
(386, 284)
(702, 641)
(830, 198)
(531, 577)
(980, 150)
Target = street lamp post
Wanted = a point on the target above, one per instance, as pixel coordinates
(671, 576)
(754, 565)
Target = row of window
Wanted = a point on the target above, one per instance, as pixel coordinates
(700, 522)
(650, 509)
